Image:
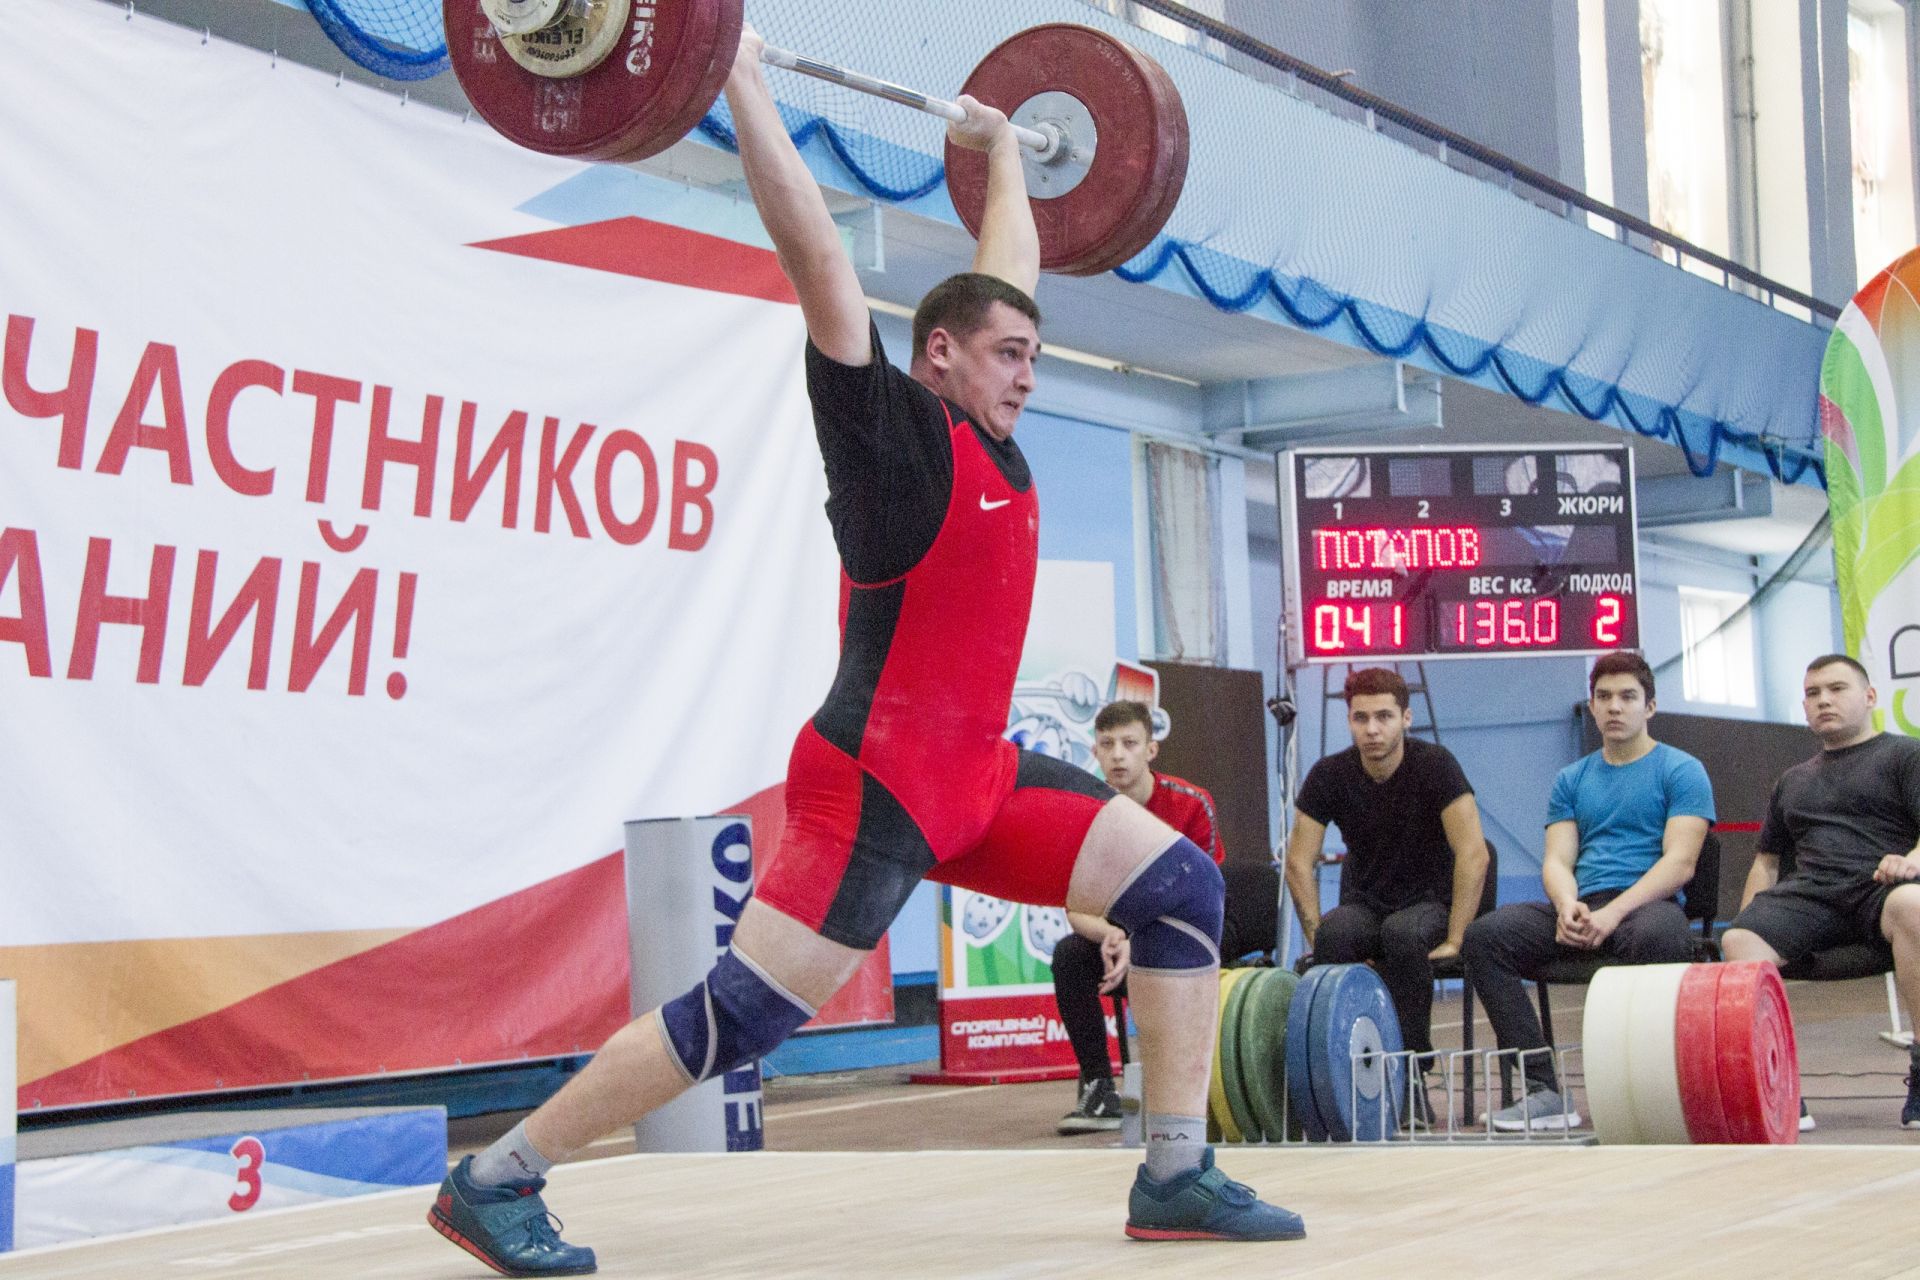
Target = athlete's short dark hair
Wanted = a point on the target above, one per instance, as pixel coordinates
(1370, 680)
(1831, 659)
(959, 304)
(1622, 662)
(1127, 711)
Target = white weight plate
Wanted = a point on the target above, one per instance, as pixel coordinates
(1605, 1038)
(1654, 1077)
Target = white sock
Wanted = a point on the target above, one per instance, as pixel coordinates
(1174, 1144)
(512, 1159)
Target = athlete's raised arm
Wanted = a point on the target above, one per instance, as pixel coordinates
(795, 215)
(1009, 243)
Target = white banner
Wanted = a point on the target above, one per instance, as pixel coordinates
(355, 574)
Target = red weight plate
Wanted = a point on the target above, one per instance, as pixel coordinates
(1169, 181)
(1696, 1053)
(1759, 1066)
(722, 43)
(659, 79)
(1138, 165)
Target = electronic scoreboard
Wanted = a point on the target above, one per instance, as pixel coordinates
(1451, 552)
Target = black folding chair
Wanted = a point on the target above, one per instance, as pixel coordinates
(1457, 968)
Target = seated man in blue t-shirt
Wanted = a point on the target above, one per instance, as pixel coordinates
(1624, 828)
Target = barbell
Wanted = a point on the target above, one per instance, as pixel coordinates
(1102, 129)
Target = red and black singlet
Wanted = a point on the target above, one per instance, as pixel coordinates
(928, 658)
(904, 766)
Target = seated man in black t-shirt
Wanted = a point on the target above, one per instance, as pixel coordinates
(1415, 857)
(1848, 820)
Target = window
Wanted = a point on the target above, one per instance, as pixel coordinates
(1171, 29)
(1881, 133)
(1717, 656)
(1685, 91)
(1596, 115)
(1778, 183)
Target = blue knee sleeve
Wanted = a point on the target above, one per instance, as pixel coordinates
(736, 1015)
(1173, 910)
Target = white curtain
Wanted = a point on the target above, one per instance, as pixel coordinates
(1183, 495)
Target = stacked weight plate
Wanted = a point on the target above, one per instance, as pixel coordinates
(1340, 1032)
(1306, 1057)
(1679, 1053)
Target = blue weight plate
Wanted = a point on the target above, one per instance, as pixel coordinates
(1358, 1098)
(1300, 1099)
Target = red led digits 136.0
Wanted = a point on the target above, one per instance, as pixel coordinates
(1506, 624)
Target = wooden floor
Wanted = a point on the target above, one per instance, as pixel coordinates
(1425, 1211)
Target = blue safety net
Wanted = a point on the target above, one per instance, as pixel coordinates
(1322, 222)
(398, 39)
(1311, 218)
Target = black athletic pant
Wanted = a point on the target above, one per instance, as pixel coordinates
(1509, 946)
(1353, 933)
(1076, 989)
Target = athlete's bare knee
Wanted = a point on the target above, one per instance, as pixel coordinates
(1900, 917)
(1172, 908)
(1122, 838)
(800, 960)
(1745, 944)
(773, 978)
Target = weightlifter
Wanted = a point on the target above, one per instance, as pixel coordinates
(1848, 822)
(1416, 859)
(1624, 829)
(902, 773)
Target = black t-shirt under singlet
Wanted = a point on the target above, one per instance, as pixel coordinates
(1836, 815)
(1397, 850)
(889, 457)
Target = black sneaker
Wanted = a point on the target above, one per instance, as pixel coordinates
(1910, 1114)
(1097, 1110)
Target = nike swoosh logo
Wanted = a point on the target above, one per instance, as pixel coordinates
(990, 506)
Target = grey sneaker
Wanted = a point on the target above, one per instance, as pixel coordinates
(1806, 1118)
(1541, 1111)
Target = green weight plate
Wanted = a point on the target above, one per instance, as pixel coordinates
(1263, 1054)
(1232, 1026)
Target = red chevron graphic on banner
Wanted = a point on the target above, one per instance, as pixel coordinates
(658, 251)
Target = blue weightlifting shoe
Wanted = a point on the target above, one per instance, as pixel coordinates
(1205, 1204)
(508, 1228)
